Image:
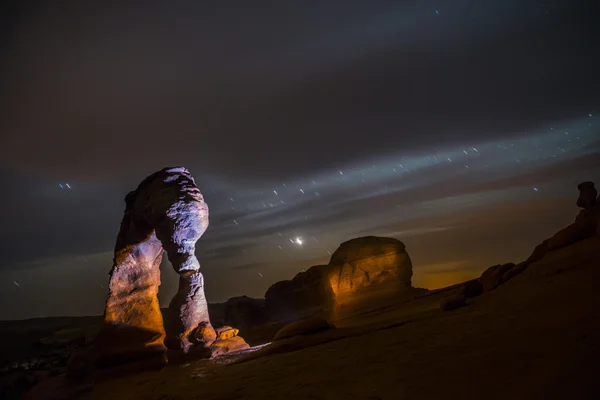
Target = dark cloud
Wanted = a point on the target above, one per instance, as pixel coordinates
(279, 91)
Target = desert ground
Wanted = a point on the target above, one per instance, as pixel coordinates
(535, 337)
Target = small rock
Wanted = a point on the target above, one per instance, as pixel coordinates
(303, 327)
(514, 271)
(224, 346)
(453, 302)
(472, 288)
(226, 332)
(492, 277)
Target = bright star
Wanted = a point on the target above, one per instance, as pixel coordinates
(298, 241)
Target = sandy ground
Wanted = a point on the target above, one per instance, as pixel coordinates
(535, 337)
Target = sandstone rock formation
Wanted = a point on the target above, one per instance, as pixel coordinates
(244, 312)
(514, 271)
(309, 292)
(359, 269)
(586, 224)
(227, 341)
(492, 277)
(226, 332)
(369, 261)
(165, 213)
(471, 288)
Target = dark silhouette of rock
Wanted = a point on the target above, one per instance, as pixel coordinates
(587, 195)
(244, 312)
(165, 213)
(471, 288)
(492, 277)
(514, 271)
(308, 292)
(584, 227)
(453, 302)
(539, 252)
(303, 327)
(586, 224)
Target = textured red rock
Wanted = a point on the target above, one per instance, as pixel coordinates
(165, 213)
(367, 261)
(224, 346)
(226, 332)
(359, 270)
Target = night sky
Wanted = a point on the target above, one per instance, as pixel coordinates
(460, 127)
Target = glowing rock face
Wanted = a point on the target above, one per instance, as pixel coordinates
(369, 261)
(165, 213)
(360, 271)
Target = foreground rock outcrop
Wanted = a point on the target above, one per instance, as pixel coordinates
(166, 212)
(227, 341)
